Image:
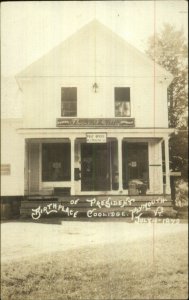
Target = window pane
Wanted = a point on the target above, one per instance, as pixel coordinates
(69, 108)
(56, 164)
(122, 94)
(69, 94)
(122, 109)
(69, 101)
(122, 102)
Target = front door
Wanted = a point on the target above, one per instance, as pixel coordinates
(95, 167)
(135, 162)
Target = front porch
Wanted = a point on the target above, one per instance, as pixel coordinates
(114, 166)
(65, 170)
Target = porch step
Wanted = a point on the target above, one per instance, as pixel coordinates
(97, 206)
(36, 203)
(41, 198)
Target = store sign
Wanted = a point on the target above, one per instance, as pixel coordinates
(5, 169)
(96, 137)
(95, 122)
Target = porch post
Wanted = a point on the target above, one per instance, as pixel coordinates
(26, 170)
(120, 164)
(167, 173)
(72, 140)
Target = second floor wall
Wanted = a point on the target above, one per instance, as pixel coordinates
(109, 77)
(100, 97)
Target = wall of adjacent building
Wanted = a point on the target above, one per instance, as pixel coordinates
(12, 154)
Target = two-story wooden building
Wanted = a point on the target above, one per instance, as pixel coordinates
(95, 118)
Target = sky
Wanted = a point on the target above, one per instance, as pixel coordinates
(30, 29)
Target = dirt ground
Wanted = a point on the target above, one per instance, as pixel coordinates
(26, 238)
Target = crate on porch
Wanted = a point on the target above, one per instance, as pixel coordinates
(133, 190)
(137, 187)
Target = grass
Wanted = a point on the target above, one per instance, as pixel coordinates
(138, 270)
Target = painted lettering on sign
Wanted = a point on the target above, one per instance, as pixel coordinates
(147, 206)
(94, 213)
(96, 137)
(108, 203)
(95, 122)
(53, 208)
(139, 219)
(109, 207)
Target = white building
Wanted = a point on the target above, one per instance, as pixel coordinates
(95, 117)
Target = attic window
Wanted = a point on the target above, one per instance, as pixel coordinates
(68, 101)
(122, 102)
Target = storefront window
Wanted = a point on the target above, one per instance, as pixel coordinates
(122, 102)
(56, 164)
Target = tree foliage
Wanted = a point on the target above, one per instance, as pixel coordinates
(169, 49)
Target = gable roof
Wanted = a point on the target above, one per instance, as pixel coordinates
(83, 47)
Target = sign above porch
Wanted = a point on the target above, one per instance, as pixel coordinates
(96, 137)
(95, 122)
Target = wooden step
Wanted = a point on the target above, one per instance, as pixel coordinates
(118, 204)
(32, 204)
(93, 212)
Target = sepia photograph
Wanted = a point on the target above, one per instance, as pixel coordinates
(94, 150)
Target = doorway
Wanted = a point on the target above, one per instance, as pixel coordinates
(95, 167)
(135, 162)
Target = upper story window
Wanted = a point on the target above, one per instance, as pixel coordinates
(122, 102)
(68, 101)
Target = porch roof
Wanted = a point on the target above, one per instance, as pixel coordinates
(81, 132)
